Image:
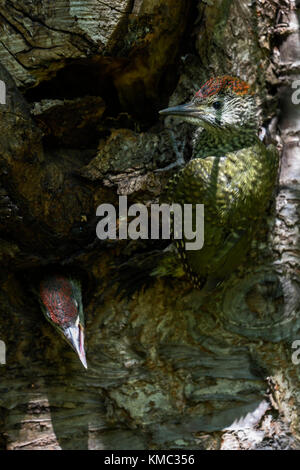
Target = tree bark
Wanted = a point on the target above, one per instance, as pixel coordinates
(84, 83)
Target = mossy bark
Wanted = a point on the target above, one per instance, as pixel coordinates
(84, 82)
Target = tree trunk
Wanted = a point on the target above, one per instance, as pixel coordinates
(84, 83)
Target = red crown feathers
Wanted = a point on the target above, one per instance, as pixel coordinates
(56, 293)
(217, 84)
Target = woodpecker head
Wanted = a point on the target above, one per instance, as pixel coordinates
(61, 303)
(222, 103)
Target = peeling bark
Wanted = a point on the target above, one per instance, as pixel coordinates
(166, 371)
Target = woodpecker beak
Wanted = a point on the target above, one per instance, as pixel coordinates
(185, 110)
(75, 337)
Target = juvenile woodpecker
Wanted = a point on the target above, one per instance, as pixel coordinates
(61, 302)
(231, 172)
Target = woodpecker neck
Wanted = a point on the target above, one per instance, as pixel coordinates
(221, 141)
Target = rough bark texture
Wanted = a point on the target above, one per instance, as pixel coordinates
(85, 80)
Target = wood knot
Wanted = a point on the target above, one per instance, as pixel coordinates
(263, 305)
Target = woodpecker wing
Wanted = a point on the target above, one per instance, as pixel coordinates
(234, 194)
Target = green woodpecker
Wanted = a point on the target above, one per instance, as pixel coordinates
(61, 302)
(231, 172)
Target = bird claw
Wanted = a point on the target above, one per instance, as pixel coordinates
(171, 166)
(179, 162)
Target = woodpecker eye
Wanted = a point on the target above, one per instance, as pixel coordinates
(217, 104)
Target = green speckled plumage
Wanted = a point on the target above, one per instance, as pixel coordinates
(233, 174)
(235, 190)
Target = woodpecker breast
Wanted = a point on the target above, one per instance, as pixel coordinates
(232, 173)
